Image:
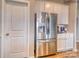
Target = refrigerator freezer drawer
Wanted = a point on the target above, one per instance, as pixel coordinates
(46, 48)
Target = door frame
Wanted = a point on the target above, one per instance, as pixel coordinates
(2, 28)
(75, 30)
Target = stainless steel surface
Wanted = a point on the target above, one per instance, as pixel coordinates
(46, 33)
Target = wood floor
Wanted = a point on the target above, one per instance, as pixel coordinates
(68, 54)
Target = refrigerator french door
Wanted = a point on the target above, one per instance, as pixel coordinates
(45, 34)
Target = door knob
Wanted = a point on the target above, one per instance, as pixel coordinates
(7, 34)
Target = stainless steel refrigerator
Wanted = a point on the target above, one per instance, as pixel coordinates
(45, 34)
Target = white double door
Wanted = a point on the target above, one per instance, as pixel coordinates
(15, 38)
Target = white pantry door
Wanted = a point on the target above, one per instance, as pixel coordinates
(16, 29)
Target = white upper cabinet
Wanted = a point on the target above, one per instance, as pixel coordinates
(60, 9)
(62, 12)
(63, 16)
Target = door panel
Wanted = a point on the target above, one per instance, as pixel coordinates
(17, 22)
(17, 47)
(16, 29)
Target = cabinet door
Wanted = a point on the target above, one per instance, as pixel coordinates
(60, 44)
(69, 41)
(63, 16)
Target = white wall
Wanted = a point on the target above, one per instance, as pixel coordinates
(77, 27)
(78, 8)
(72, 21)
(31, 29)
(0, 15)
(0, 24)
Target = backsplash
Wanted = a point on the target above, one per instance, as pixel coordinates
(62, 28)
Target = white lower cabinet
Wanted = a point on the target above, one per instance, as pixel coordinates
(69, 41)
(60, 44)
(64, 42)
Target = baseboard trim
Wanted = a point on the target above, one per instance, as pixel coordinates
(77, 40)
(75, 50)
